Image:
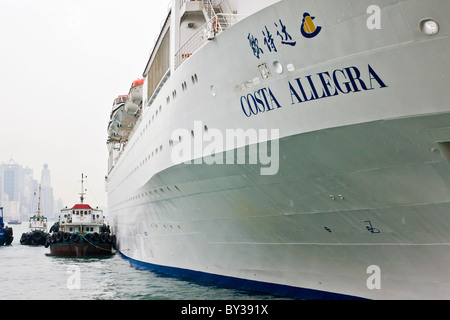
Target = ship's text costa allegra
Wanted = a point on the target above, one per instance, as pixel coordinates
(314, 87)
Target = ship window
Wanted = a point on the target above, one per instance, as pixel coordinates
(70, 229)
(78, 213)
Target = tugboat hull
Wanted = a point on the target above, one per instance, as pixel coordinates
(80, 249)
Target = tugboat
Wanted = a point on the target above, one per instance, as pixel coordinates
(80, 232)
(38, 228)
(6, 233)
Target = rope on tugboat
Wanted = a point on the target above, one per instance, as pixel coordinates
(82, 235)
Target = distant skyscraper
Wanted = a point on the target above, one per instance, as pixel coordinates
(11, 180)
(47, 200)
(16, 189)
(45, 177)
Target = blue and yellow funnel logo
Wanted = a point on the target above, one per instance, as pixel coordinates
(309, 29)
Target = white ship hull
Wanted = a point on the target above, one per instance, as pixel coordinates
(360, 204)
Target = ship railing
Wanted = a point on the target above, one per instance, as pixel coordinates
(217, 24)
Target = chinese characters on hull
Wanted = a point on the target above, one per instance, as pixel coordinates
(308, 29)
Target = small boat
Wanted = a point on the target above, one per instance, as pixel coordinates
(15, 221)
(81, 231)
(38, 228)
(6, 233)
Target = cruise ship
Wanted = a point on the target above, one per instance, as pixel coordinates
(295, 147)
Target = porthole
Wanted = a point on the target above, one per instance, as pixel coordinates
(290, 67)
(277, 67)
(429, 27)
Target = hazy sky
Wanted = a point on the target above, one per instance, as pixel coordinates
(62, 63)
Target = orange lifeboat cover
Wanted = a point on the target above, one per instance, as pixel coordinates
(137, 82)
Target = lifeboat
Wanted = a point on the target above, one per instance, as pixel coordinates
(134, 102)
(121, 122)
(113, 131)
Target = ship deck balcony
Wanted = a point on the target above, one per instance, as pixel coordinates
(217, 24)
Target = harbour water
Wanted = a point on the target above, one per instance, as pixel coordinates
(30, 273)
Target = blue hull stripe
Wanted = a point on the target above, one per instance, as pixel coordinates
(237, 283)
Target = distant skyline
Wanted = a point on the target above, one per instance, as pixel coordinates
(62, 64)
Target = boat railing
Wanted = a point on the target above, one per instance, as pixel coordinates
(217, 24)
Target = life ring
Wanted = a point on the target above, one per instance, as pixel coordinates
(53, 237)
(215, 25)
